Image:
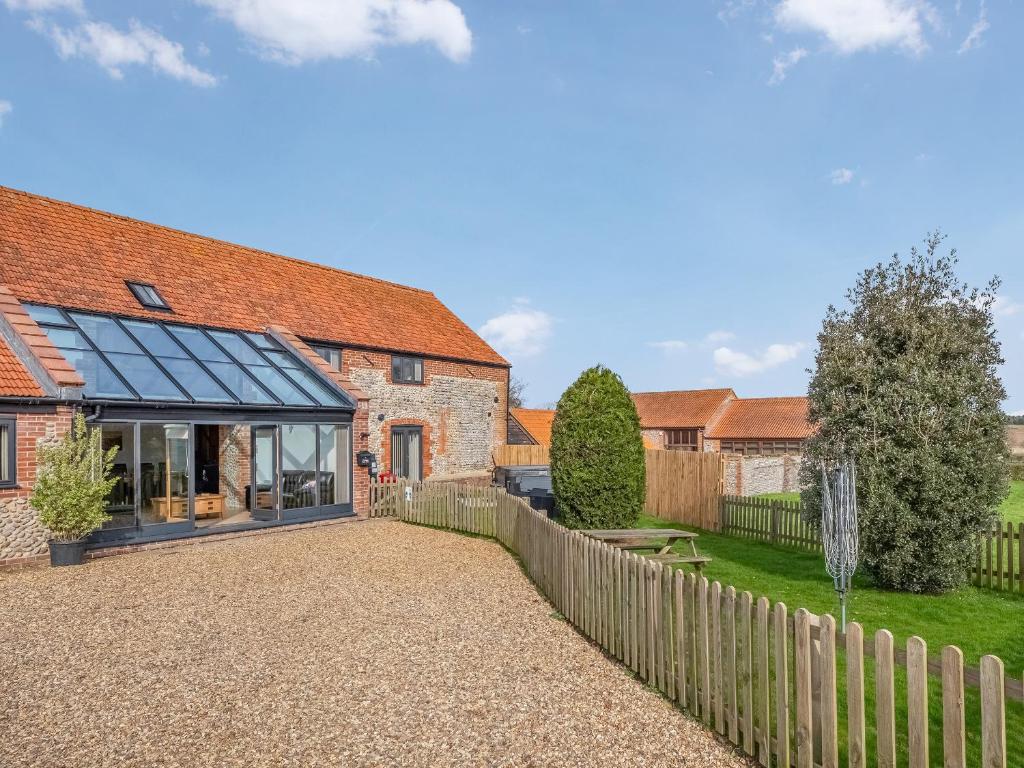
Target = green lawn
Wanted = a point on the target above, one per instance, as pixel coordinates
(1012, 507)
(978, 621)
(1013, 504)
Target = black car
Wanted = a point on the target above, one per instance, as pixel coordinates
(532, 481)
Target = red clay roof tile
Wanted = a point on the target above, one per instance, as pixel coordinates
(762, 418)
(15, 380)
(692, 408)
(58, 253)
(537, 423)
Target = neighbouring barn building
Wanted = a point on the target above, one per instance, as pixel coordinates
(760, 438)
(239, 387)
(530, 426)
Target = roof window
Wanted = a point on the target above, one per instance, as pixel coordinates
(148, 296)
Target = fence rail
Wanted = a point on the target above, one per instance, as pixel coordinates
(768, 520)
(764, 678)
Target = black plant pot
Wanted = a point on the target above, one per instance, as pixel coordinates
(67, 552)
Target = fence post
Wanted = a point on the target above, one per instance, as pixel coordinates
(954, 752)
(776, 519)
(993, 714)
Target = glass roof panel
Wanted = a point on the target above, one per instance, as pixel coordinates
(145, 377)
(67, 338)
(45, 314)
(262, 340)
(309, 382)
(281, 359)
(195, 380)
(105, 333)
(238, 348)
(195, 341)
(287, 392)
(155, 339)
(100, 381)
(126, 358)
(239, 382)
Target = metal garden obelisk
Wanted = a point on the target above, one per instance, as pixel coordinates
(839, 526)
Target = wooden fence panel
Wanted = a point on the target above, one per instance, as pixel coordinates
(684, 486)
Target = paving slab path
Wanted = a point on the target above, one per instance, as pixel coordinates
(363, 644)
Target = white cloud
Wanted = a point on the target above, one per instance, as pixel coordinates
(5, 109)
(43, 6)
(733, 363)
(841, 176)
(854, 25)
(114, 49)
(1005, 307)
(669, 345)
(520, 332)
(979, 28)
(782, 64)
(719, 337)
(295, 31)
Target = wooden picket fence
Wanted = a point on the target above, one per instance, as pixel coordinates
(767, 520)
(1000, 552)
(762, 677)
(1000, 561)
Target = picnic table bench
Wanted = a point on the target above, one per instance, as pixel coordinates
(659, 540)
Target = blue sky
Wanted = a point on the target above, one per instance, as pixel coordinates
(674, 189)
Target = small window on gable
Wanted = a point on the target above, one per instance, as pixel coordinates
(406, 370)
(148, 295)
(331, 354)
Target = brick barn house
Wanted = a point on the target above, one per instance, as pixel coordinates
(676, 420)
(237, 385)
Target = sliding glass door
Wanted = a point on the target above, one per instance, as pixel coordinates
(165, 477)
(262, 491)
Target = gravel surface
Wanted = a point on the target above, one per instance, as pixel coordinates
(372, 643)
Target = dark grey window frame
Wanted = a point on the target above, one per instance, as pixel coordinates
(405, 429)
(135, 285)
(11, 422)
(68, 322)
(399, 361)
(331, 348)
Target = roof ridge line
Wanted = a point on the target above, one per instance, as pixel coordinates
(208, 238)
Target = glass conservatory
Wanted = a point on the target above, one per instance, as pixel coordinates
(214, 429)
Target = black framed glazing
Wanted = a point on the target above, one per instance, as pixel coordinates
(337, 504)
(402, 463)
(148, 296)
(406, 369)
(8, 451)
(124, 358)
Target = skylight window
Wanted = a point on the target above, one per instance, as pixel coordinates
(148, 295)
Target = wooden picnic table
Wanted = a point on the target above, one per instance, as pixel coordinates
(659, 540)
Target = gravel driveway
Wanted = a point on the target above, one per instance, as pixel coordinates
(371, 643)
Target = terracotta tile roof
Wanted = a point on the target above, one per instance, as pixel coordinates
(762, 418)
(537, 422)
(58, 253)
(15, 380)
(59, 370)
(692, 408)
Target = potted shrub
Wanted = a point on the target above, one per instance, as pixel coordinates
(74, 479)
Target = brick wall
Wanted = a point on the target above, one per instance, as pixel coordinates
(235, 464)
(21, 535)
(463, 409)
(654, 438)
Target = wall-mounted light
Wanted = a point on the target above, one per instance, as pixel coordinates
(380, 417)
